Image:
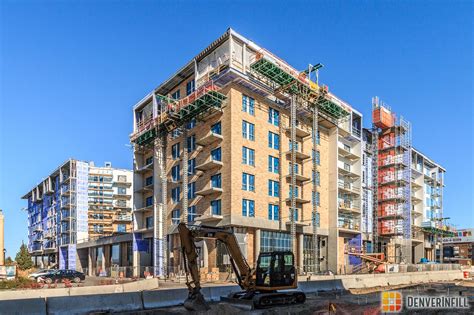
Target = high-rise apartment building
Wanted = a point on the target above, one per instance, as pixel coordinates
(238, 138)
(76, 202)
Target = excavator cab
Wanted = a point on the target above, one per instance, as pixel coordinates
(276, 271)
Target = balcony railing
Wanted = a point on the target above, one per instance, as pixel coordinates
(348, 224)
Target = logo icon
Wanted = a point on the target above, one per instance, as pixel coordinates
(391, 302)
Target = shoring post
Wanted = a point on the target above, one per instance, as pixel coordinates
(315, 189)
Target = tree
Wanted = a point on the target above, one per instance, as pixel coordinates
(23, 258)
(8, 261)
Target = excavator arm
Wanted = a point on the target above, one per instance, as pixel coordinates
(189, 235)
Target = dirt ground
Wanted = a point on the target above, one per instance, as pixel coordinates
(363, 302)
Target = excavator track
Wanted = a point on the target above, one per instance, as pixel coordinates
(257, 300)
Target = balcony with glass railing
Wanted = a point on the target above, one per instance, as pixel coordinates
(351, 225)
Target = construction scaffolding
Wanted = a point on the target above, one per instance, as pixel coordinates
(392, 177)
(306, 99)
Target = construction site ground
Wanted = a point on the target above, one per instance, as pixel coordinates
(360, 301)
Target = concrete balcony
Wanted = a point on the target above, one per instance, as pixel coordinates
(347, 170)
(302, 179)
(143, 229)
(415, 199)
(144, 168)
(144, 209)
(350, 207)
(209, 138)
(349, 226)
(298, 200)
(348, 152)
(209, 191)
(123, 196)
(122, 218)
(415, 186)
(299, 155)
(145, 188)
(209, 165)
(348, 188)
(300, 132)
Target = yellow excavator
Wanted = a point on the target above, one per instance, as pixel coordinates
(261, 286)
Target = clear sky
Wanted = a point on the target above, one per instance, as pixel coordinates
(72, 70)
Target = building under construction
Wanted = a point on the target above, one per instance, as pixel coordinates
(239, 138)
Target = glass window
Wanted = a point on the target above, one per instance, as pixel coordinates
(121, 228)
(175, 173)
(175, 152)
(216, 154)
(248, 130)
(216, 181)
(175, 216)
(149, 222)
(248, 156)
(216, 207)
(192, 190)
(296, 191)
(248, 182)
(317, 198)
(175, 194)
(318, 138)
(191, 143)
(273, 140)
(192, 167)
(275, 241)
(149, 201)
(318, 157)
(121, 190)
(149, 160)
(192, 214)
(273, 188)
(248, 208)
(248, 104)
(317, 178)
(149, 181)
(273, 116)
(216, 128)
(176, 95)
(273, 164)
(273, 212)
(190, 86)
(191, 124)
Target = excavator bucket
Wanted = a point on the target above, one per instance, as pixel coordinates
(196, 302)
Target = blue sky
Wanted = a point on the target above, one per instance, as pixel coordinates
(72, 70)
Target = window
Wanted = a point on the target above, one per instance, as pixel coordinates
(290, 145)
(149, 181)
(175, 194)
(176, 95)
(191, 124)
(121, 228)
(191, 143)
(273, 140)
(273, 212)
(317, 178)
(149, 201)
(192, 190)
(248, 130)
(273, 164)
(192, 214)
(275, 241)
(296, 168)
(273, 188)
(318, 138)
(175, 173)
(318, 218)
(296, 191)
(318, 157)
(121, 190)
(295, 213)
(192, 167)
(216, 154)
(149, 160)
(248, 156)
(216, 207)
(175, 133)
(216, 181)
(273, 116)
(248, 208)
(175, 216)
(175, 151)
(216, 128)
(318, 198)
(149, 222)
(248, 104)
(248, 182)
(190, 86)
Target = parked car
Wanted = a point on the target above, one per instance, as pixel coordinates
(52, 275)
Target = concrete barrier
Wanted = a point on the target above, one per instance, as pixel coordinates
(32, 293)
(21, 307)
(164, 298)
(84, 304)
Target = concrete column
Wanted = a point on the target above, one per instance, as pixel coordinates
(91, 261)
(300, 255)
(257, 244)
